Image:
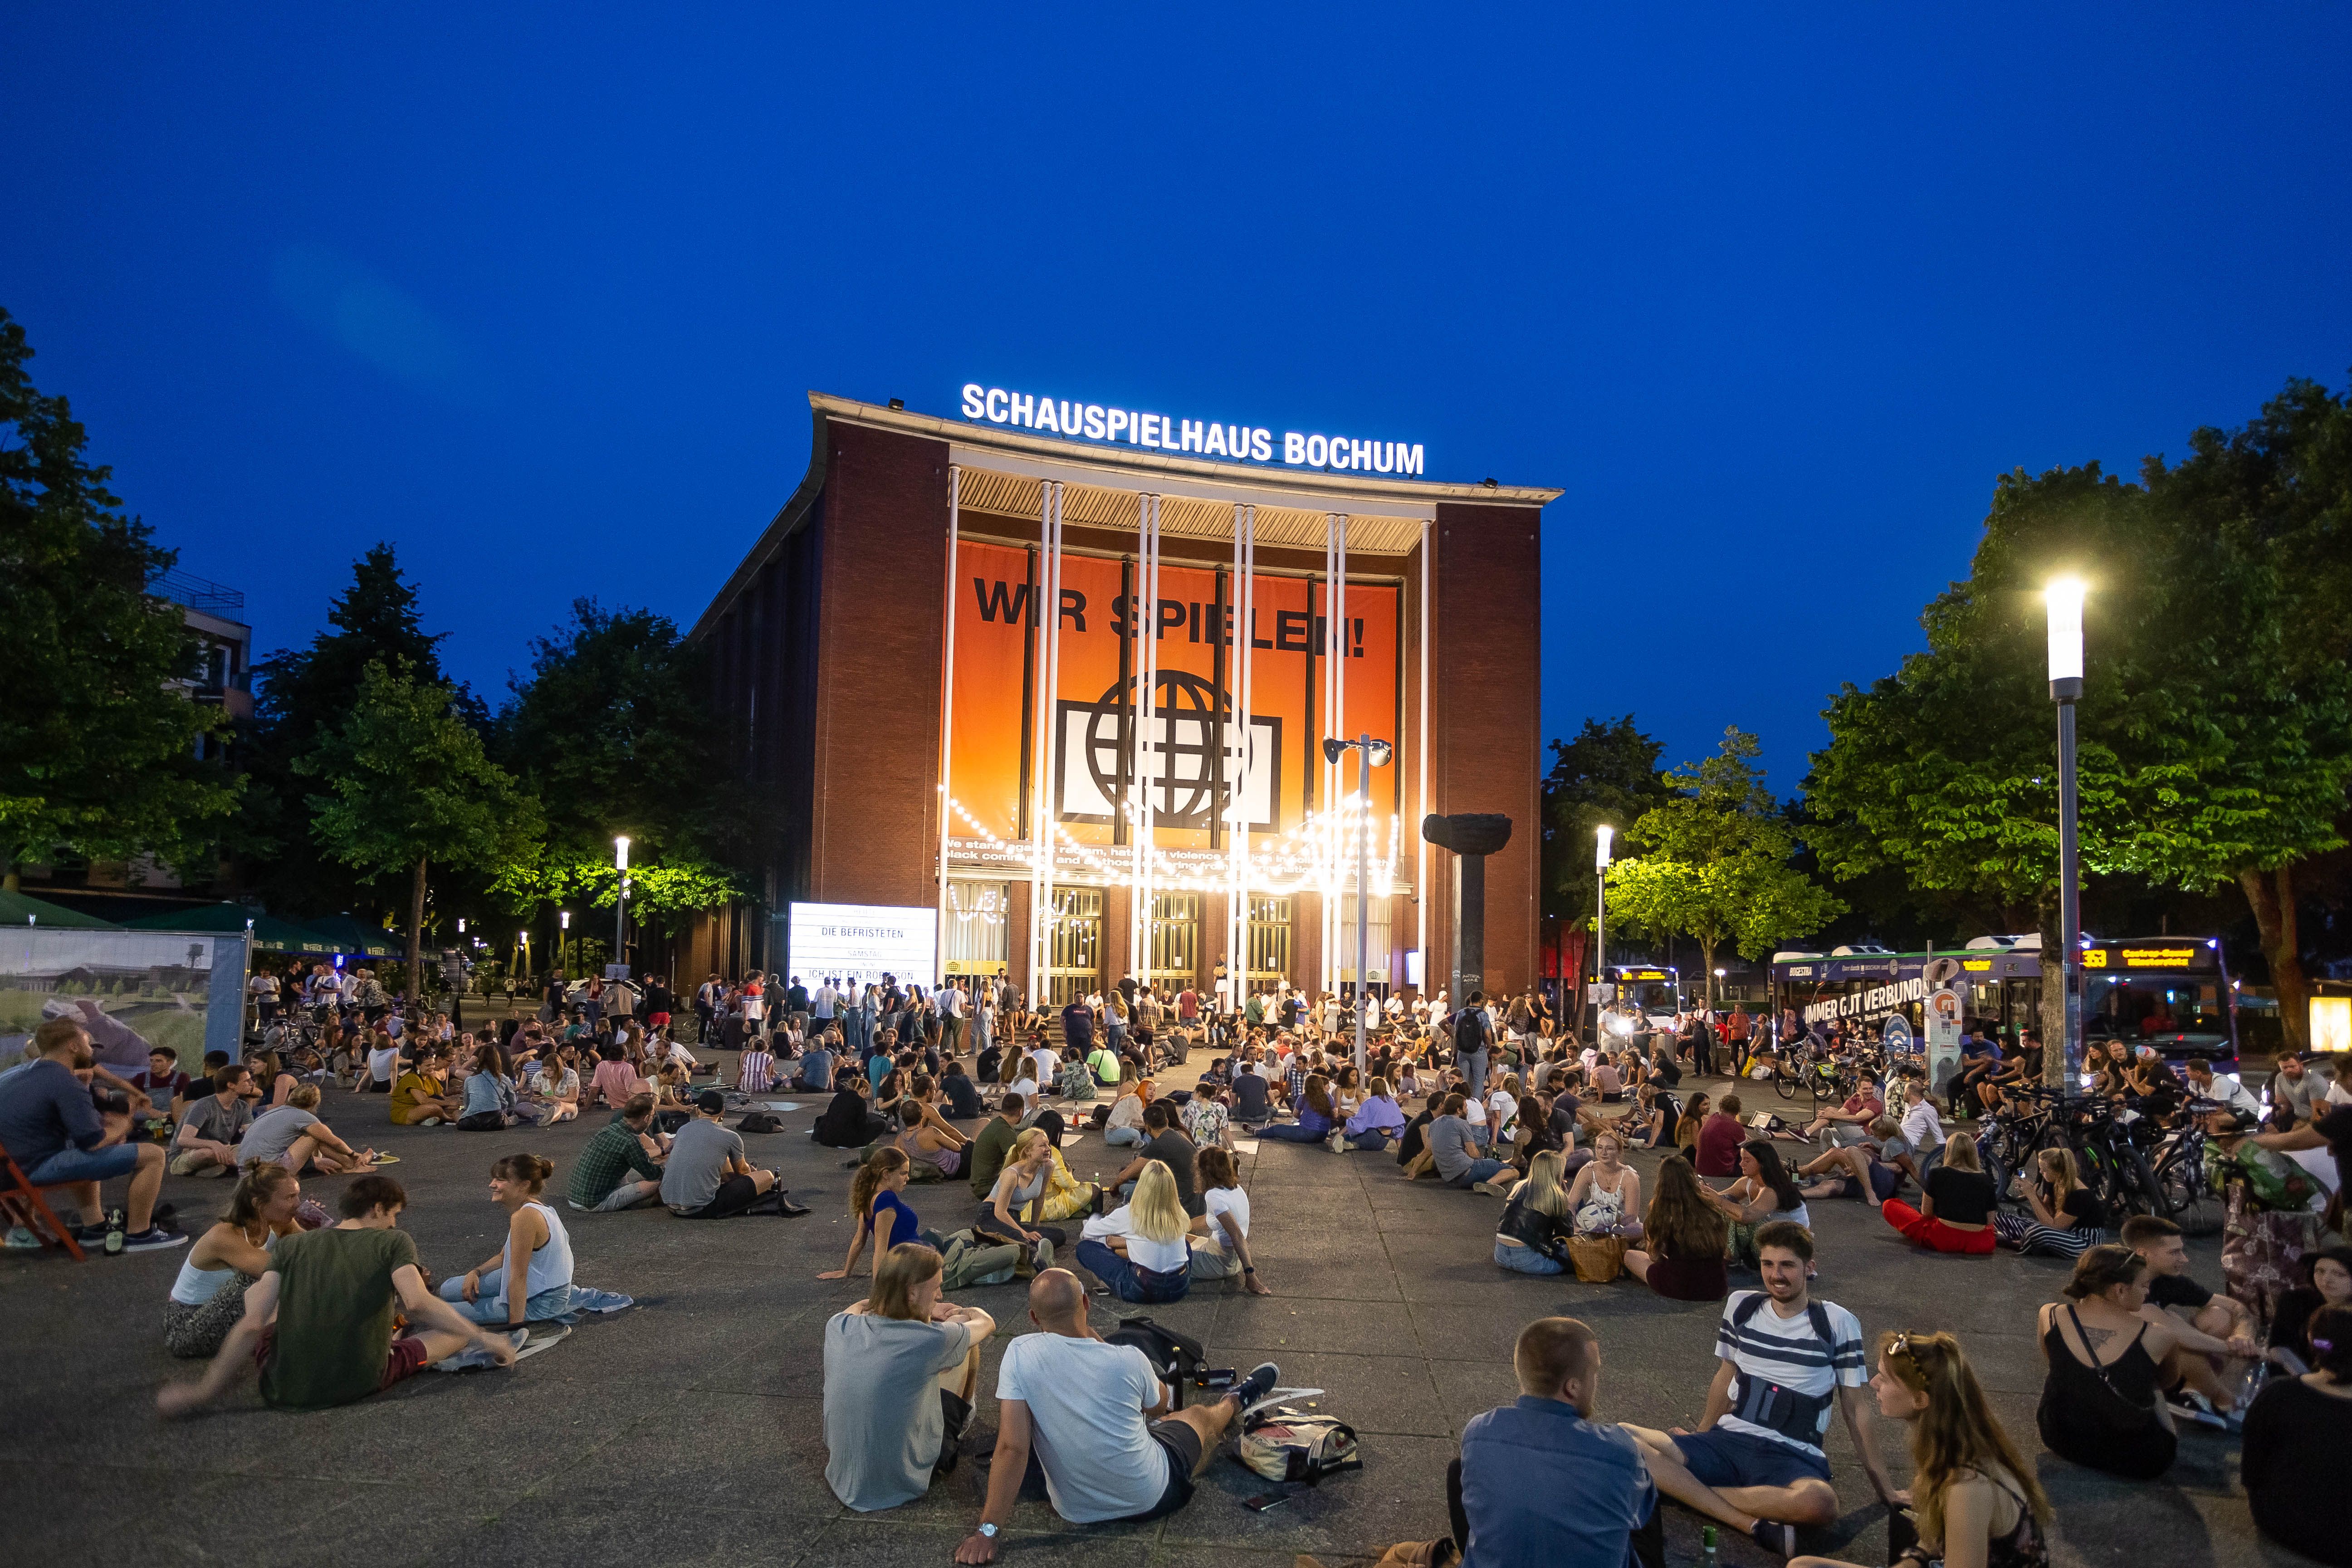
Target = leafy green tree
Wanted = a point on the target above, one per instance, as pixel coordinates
(407, 786)
(2214, 737)
(1715, 862)
(304, 692)
(98, 746)
(1608, 774)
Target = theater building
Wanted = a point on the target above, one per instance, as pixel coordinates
(1061, 677)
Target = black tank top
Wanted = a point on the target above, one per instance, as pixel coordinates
(2103, 1416)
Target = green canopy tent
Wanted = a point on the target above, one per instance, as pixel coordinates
(269, 933)
(23, 909)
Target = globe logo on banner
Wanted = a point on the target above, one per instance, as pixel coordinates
(1191, 757)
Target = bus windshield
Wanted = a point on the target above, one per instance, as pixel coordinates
(2146, 1006)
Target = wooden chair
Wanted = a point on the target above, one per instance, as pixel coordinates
(23, 1203)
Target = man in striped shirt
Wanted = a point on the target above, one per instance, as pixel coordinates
(1785, 1361)
(756, 1073)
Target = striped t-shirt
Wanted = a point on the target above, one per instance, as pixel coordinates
(1788, 1351)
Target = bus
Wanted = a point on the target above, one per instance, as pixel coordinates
(1654, 990)
(2173, 993)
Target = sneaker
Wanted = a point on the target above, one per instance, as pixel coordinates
(155, 1238)
(19, 1239)
(788, 1208)
(1257, 1384)
(1775, 1537)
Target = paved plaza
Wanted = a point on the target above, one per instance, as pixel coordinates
(690, 1429)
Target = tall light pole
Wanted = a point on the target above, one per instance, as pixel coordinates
(1370, 753)
(1715, 992)
(621, 906)
(563, 929)
(1601, 838)
(2063, 598)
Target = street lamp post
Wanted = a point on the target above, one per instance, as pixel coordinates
(1601, 838)
(2064, 601)
(562, 936)
(1370, 753)
(621, 905)
(1715, 993)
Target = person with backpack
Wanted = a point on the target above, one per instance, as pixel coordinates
(1787, 1362)
(1473, 1034)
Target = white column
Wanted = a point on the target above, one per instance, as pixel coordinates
(947, 720)
(1047, 750)
(1420, 844)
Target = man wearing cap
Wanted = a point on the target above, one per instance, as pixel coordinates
(707, 1176)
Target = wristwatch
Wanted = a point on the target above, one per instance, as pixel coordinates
(988, 1530)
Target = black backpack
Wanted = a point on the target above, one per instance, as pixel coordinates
(1176, 1359)
(1469, 1031)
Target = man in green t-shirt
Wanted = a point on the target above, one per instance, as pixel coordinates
(995, 1144)
(322, 1315)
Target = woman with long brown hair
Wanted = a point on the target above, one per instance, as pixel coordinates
(208, 1297)
(1683, 1237)
(2101, 1409)
(1974, 1496)
(883, 1217)
(1317, 1114)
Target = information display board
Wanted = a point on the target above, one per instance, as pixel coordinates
(862, 943)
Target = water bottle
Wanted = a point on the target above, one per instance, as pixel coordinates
(1707, 1547)
(115, 1231)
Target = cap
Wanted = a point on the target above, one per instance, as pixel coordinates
(710, 1101)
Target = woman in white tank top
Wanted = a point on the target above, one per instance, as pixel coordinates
(531, 1276)
(208, 1296)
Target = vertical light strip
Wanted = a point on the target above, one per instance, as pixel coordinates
(1344, 862)
(1148, 892)
(1421, 844)
(947, 722)
(1140, 626)
(1048, 752)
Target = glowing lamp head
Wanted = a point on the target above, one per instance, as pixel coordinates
(2063, 597)
(1601, 838)
(621, 853)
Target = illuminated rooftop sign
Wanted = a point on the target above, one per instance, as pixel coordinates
(1190, 437)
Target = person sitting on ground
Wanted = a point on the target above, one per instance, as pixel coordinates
(318, 1321)
(1539, 1481)
(1014, 1212)
(272, 1080)
(1206, 1117)
(489, 1095)
(1316, 1115)
(420, 1097)
(529, 1279)
(1219, 1239)
(994, 1145)
(2219, 1331)
(292, 1135)
(1788, 1361)
(1956, 1213)
(1696, 1110)
(755, 1069)
(1532, 1235)
(1977, 1503)
(846, 1122)
(901, 1371)
(205, 1143)
(54, 1131)
(1378, 1119)
(1092, 1423)
(1414, 1140)
(555, 1092)
(938, 1155)
(884, 1219)
(1762, 1194)
(1123, 1127)
(2296, 1433)
(2326, 1282)
(1651, 1123)
(1606, 1195)
(208, 1297)
(1923, 1127)
(1847, 1123)
(2102, 1397)
(815, 1073)
(1453, 1149)
(601, 1176)
(2067, 1219)
(1719, 1138)
(164, 1087)
(615, 1081)
(1253, 1096)
(1170, 1147)
(1683, 1239)
(707, 1176)
(1140, 1250)
(923, 1093)
(962, 1095)
(890, 1094)
(1872, 1170)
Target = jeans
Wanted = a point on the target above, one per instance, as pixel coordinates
(627, 1196)
(85, 1165)
(1292, 1133)
(1372, 1139)
(1125, 1137)
(1479, 1171)
(551, 1302)
(1525, 1260)
(1127, 1282)
(1474, 1070)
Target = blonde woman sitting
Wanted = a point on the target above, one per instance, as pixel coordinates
(1141, 1249)
(1532, 1235)
(1607, 1194)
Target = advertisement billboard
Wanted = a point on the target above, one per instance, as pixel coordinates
(864, 942)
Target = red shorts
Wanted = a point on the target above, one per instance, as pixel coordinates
(404, 1360)
(656, 1020)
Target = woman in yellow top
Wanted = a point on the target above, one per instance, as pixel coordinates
(422, 1097)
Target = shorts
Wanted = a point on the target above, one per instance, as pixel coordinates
(402, 1359)
(656, 1020)
(1720, 1459)
(955, 1415)
(1178, 1441)
(735, 1194)
(85, 1165)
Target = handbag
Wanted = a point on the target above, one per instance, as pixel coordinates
(1598, 1259)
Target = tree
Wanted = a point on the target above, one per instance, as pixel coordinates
(2214, 736)
(613, 731)
(304, 692)
(1716, 866)
(99, 745)
(1608, 774)
(409, 784)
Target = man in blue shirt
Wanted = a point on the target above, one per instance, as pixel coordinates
(1078, 1025)
(1539, 1481)
(57, 1137)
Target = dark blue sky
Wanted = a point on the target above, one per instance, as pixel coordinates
(539, 298)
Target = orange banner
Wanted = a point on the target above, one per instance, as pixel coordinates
(1201, 760)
